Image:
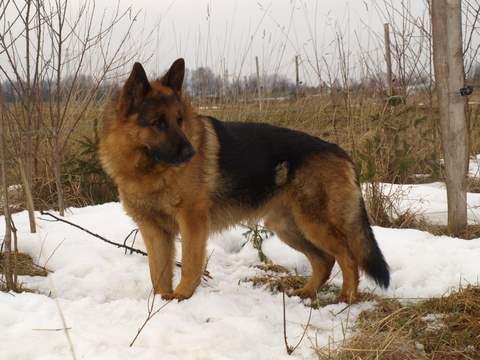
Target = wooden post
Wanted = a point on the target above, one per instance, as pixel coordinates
(450, 77)
(259, 85)
(388, 58)
(225, 83)
(297, 78)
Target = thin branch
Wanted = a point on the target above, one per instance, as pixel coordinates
(150, 315)
(206, 273)
(133, 250)
(291, 349)
(64, 323)
(133, 234)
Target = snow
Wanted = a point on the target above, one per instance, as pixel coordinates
(429, 200)
(103, 293)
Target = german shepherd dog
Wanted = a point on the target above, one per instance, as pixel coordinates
(178, 172)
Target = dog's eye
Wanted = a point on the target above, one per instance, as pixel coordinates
(180, 120)
(142, 120)
(161, 124)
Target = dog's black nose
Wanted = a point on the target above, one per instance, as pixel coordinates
(186, 153)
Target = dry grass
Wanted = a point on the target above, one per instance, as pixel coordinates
(276, 278)
(383, 208)
(278, 282)
(23, 265)
(473, 184)
(439, 328)
(471, 232)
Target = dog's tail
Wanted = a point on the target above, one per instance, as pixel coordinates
(368, 253)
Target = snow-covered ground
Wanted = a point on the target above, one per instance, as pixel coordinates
(103, 293)
(430, 201)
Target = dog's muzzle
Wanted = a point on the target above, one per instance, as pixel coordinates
(185, 154)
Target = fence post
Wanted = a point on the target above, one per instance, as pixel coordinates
(388, 58)
(259, 85)
(297, 78)
(450, 78)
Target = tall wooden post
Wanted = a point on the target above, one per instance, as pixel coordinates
(388, 58)
(259, 85)
(297, 78)
(450, 77)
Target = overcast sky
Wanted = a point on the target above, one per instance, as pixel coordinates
(226, 35)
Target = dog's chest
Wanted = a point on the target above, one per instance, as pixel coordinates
(147, 204)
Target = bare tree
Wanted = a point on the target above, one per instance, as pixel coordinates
(18, 42)
(48, 46)
(205, 83)
(471, 33)
(410, 42)
(72, 45)
(10, 276)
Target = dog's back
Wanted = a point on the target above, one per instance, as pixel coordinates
(251, 154)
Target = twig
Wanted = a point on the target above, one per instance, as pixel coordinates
(64, 323)
(342, 310)
(291, 349)
(150, 315)
(134, 232)
(53, 253)
(206, 273)
(133, 250)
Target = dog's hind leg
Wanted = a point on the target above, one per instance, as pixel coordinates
(281, 222)
(325, 236)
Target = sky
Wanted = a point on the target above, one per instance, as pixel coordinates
(227, 35)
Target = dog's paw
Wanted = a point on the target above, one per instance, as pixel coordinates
(168, 296)
(179, 294)
(304, 293)
(348, 299)
(175, 295)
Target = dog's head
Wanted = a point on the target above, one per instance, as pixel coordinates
(151, 118)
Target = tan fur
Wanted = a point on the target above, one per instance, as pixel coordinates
(318, 206)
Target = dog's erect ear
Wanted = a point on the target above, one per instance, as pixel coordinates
(174, 76)
(135, 89)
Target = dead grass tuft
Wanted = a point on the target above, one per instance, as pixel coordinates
(275, 282)
(276, 278)
(439, 328)
(273, 268)
(471, 232)
(473, 184)
(384, 210)
(23, 265)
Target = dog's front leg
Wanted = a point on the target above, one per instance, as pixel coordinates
(161, 254)
(194, 230)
